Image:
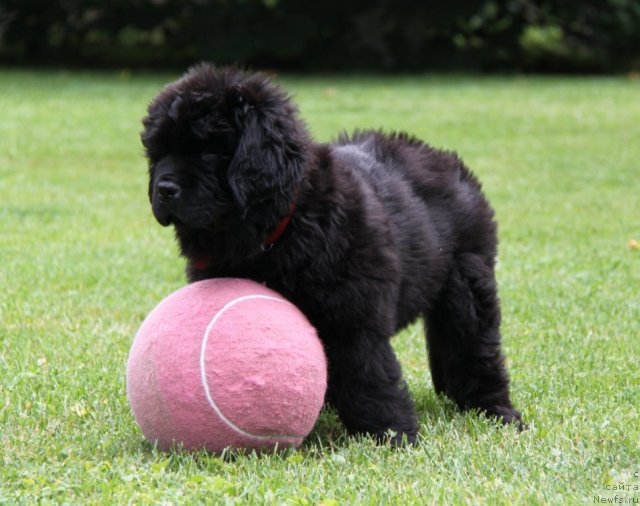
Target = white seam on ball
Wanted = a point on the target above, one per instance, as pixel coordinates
(203, 372)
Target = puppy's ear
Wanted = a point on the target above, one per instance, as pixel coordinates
(271, 150)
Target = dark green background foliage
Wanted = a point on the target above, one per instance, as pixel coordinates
(388, 35)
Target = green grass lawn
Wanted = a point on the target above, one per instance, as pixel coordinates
(82, 262)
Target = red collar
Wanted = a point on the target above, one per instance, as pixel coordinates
(279, 229)
(203, 262)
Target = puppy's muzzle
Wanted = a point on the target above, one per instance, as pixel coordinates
(168, 191)
(166, 198)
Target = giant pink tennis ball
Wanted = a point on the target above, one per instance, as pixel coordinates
(226, 363)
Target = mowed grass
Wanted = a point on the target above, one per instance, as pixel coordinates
(82, 262)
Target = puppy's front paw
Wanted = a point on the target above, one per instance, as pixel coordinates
(397, 438)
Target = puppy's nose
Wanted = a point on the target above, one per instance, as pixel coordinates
(168, 190)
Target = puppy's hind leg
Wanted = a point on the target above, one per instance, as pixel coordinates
(463, 339)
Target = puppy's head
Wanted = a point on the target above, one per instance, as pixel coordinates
(226, 151)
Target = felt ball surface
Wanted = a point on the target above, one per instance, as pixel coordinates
(226, 363)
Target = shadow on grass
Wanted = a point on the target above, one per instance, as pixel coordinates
(437, 415)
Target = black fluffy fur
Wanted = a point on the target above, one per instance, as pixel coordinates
(385, 230)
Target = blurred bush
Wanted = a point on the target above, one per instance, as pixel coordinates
(387, 35)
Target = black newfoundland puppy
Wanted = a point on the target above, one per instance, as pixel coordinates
(364, 235)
